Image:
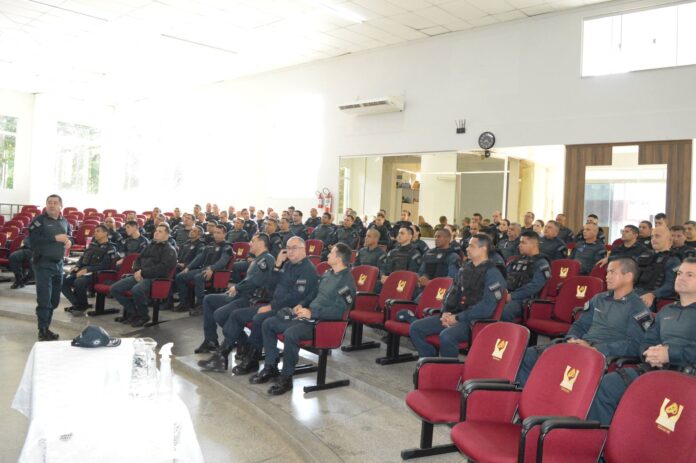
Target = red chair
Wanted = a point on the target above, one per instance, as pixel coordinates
(141, 222)
(314, 247)
(365, 277)
(141, 216)
(110, 212)
(81, 236)
(5, 252)
(601, 273)
(562, 383)
(79, 216)
(169, 214)
(240, 251)
(119, 217)
(15, 223)
(217, 284)
(98, 216)
(353, 256)
(436, 399)
(105, 279)
(3, 240)
(561, 270)
(159, 292)
(10, 232)
(327, 335)
(369, 308)
(431, 297)
(654, 421)
(33, 210)
(90, 210)
(147, 214)
(553, 319)
(315, 260)
(322, 268)
(2, 220)
(24, 218)
(310, 230)
(128, 212)
(91, 221)
(68, 210)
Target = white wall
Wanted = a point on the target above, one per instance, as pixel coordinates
(276, 138)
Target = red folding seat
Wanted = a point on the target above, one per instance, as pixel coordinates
(169, 214)
(654, 421)
(91, 221)
(217, 284)
(15, 223)
(240, 251)
(105, 279)
(119, 217)
(98, 216)
(2, 220)
(561, 270)
(159, 292)
(365, 277)
(90, 210)
(496, 355)
(30, 209)
(141, 216)
(141, 222)
(3, 240)
(82, 237)
(10, 232)
(5, 252)
(553, 318)
(310, 230)
(110, 212)
(128, 212)
(314, 247)
(322, 268)
(430, 298)
(369, 308)
(69, 209)
(24, 218)
(80, 216)
(353, 256)
(315, 260)
(562, 383)
(147, 214)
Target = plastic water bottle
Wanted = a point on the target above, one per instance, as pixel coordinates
(143, 383)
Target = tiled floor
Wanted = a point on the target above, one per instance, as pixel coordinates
(234, 420)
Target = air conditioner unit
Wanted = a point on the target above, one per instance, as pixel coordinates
(391, 104)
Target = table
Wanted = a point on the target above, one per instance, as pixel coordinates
(79, 410)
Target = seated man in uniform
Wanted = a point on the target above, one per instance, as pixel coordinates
(404, 256)
(346, 234)
(669, 344)
(550, 244)
(565, 233)
(661, 220)
(588, 251)
(257, 282)
(313, 220)
(404, 222)
(629, 246)
(324, 232)
(690, 231)
(237, 234)
(134, 243)
(380, 225)
(510, 246)
(285, 232)
(335, 297)
(526, 276)
(214, 257)
(679, 247)
(181, 232)
(297, 227)
(477, 289)
(156, 261)
(419, 244)
(100, 255)
(20, 265)
(613, 322)
(250, 225)
(440, 261)
(645, 233)
(656, 268)
(371, 253)
(114, 236)
(295, 280)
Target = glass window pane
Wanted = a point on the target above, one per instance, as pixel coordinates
(649, 38)
(79, 156)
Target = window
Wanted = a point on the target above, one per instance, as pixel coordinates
(8, 142)
(79, 152)
(646, 39)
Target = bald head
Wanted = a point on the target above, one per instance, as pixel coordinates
(661, 238)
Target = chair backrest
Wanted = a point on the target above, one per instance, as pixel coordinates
(314, 260)
(24, 218)
(561, 270)
(90, 210)
(68, 210)
(433, 294)
(98, 216)
(574, 293)
(127, 264)
(497, 352)
(110, 212)
(29, 207)
(79, 216)
(84, 232)
(655, 420)
(3, 240)
(240, 251)
(314, 247)
(10, 231)
(601, 273)
(322, 268)
(15, 223)
(398, 285)
(563, 382)
(126, 212)
(16, 243)
(365, 277)
(91, 221)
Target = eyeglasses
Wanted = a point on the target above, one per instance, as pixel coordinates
(294, 248)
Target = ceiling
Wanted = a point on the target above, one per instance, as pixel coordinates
(124, 50)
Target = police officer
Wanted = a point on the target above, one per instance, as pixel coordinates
(474, 229)
(324, 231)
(156, 261)
(192, 248)
(135, 243)
(499, 233)
(260, 220)
(257, 282)
(418, 243)
(510, 246)
(295, 280)
(629, 246)
(528, 224)
(371, 253)
(285, 232)
(276, 240)
(550, 244)
(201, 269)
(669, 344)
(588, 251)
(645, 233)
(150, 224)
(656, 268)
(314, 220)
(175, 220)
(225, 221)
(346, 234)
(679, 247)
(384, 234)
(526, 276)
(404, 222)
(250, 225)
(100, 255)
(237, 234)
(404, 256)
(49, 235)
(181, 233)
(441, 261)
(114, 236)
(297, 227)
(335, 296)
(592, 218)
(564, 233)
(690, 231)
(612, 322)
(478, 288)
(20, 265)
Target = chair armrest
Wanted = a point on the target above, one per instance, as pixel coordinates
(365, 301)
(540, 309)
(576, 310)
(566, 422)
(160, 288)
(106, 275)
(585, 444)
(529, 423)
(489, 400)
(620, 362)
(391, 305)
(437, 373)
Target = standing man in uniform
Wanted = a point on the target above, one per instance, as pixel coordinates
(526, 276)
(335, 297)
(49, 235)
(669, 344)
(477, 290)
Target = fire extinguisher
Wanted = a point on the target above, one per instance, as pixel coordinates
(328, 199)
(320, 198)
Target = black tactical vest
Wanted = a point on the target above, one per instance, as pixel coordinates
(651, 269)
(471, 283)
(522, 271)
(95, 253)
(400, 256)
(435, 261)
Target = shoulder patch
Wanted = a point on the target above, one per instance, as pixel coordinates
(497, 291)
(263, 265)
(586, 307)
(346, 295)
(546, 270)
(644, 319)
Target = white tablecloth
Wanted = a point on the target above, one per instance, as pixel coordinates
(79, 409)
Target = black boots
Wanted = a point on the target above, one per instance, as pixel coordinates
(283, 385)
(218, 362)
(207, 347)
(268, 373)
(47, 335)
(250, 363)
